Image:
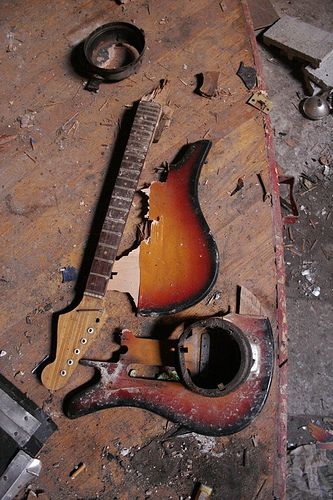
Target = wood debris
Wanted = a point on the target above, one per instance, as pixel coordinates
(5, 139)
(203, 492)
(164, 122)
(265, 194)
(208, 81)
(223, 6)
(324, 160)
(239, 186)
(78, 469)
(26, 120)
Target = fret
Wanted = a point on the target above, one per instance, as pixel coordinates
(111, 232)
(126, 180)
(120, 203)
(103, 260)
(119, 208)
(116, 197)
(131, 170)
(138, 144)
(134, 157)
(106, 245)
(135, 152)
(140, 138)
(148, 125)
(100, 275)
(113, 223)
(131, 164)
(147, 129)
(124, 188)
(94, 294)
(141, 132)
(146, 114)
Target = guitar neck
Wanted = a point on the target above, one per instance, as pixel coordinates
(141, 136)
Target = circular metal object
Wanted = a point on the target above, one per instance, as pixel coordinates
(114, 51)
(70, 362)
(215, 357)
(83, 340)
(317, 106)
(77, 351)
(90, 330)
(63, 373)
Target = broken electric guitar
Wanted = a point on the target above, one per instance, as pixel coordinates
(213, 375)
(170, 285)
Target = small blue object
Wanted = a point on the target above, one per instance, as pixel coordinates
(68, 274)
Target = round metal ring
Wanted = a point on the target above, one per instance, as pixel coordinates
(225, 358)
(114, 51)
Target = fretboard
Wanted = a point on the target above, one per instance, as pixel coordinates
(141, 136)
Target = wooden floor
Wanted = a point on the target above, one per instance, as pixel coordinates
(52, 175)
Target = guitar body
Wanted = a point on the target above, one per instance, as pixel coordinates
(179, 260)
(222, 415)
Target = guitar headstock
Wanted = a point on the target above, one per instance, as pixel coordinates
(76, 331)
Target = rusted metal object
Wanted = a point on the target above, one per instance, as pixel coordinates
(113, 52)
(215, 357)
(259, 100)
(290, 181)
(202, 411)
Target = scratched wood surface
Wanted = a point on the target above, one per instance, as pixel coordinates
(52, 174)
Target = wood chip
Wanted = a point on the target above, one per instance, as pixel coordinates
(223, 6)
(5, 139)
(209, 83)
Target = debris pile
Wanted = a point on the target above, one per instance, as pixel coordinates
(314, 48)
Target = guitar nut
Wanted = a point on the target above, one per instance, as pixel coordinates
(83, 341)
(70, 362)
(77, 351)
(90, 330)
(63, 373)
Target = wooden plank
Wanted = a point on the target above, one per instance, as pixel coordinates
(49, 204)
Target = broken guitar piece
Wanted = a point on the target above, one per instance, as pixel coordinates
(78, 328)
(166, 260)
(159, 275)
(213, 377)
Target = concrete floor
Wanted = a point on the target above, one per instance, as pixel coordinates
(300, 143)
